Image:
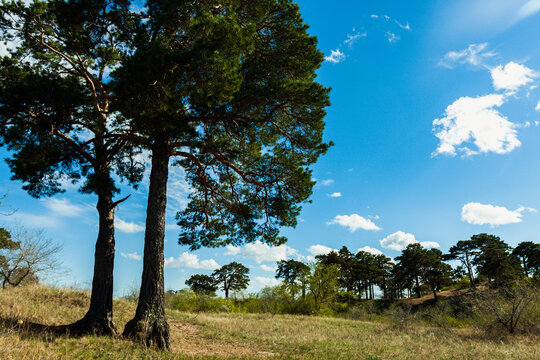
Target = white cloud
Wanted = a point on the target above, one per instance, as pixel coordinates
(486, 214)
(335, 56)
(405, 27)
(351, 39)
(335, 194)
(319, 250)
(538, 106)
(127, 227)
(398, 241)
(188, 260)
(530, 8)
(354, 222)
(374, 16)
(64, 208)
(430, 244)
(268, 268)
(474, 55)
(326, 182)
(35, 221)
(370, 250)
(261, 252)
(132, 256)
(264, 281)
(475, 119)
(392, 38)
(511, 77)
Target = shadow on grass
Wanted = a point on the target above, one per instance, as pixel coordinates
(31, 329)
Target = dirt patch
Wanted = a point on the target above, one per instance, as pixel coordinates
(187, 339)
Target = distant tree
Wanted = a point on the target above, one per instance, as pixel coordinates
(529, 255)
(384, 266)
(233, 276)
(24, 255)
(202, 284)
(323, 283)
(495, 260)
(433, 270)
(409, 262)
(293, 273)
(466, 251)
(345, 260)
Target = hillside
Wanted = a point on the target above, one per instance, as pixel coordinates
(220, 336)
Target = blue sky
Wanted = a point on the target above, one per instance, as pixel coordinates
(435, 123)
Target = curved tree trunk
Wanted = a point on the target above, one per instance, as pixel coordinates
(99, 318)
(150, 324)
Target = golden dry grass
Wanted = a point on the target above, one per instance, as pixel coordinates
(219, 336)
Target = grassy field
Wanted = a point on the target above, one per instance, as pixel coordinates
(231, 336)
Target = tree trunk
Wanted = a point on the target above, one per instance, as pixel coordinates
(470, 271)
(99, 318)
(150, 324)
(418, 288)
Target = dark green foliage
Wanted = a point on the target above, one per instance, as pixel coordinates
(495, 260)
(466, 251)
(294, 274)
(233, 276)
(529, 255)
(233, 93)
(202, 284)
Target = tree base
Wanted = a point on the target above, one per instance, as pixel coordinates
(151, 330)
(92, 325)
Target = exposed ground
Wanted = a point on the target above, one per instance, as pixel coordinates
(229, 336)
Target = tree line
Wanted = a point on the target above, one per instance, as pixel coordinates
(226, 90)
(352, 277)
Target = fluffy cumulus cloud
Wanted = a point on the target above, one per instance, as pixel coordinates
(319, 250)
(335, 195)
(486, 214)
(478, 121)
(475, 55)
(400, 240)
(261, 252)
(132, 256)
(336, 56)
(354, 222)
(127, 227)
(511, 76)
(188, 260)
(370, 250)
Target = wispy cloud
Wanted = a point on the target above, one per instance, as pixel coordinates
(131, 256)
(474, 54)
(336, 194)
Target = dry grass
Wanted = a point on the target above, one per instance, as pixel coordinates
(240, 335)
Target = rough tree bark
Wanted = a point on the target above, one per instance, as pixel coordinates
(150, 324)
(99, 318)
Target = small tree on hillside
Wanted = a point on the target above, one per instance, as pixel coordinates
(323, 283)
(202, 284)
(24, 255)
(495, 260)
(529, 255)
(466, 251)
(233, 276)
(293, 273)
